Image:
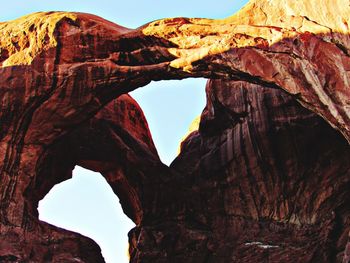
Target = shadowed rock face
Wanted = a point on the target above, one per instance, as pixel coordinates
(262, 180)
(268, 181)
(115, 142)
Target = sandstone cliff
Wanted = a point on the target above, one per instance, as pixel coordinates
(263, 180)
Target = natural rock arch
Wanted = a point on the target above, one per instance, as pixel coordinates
(112, 143)
(58, 70)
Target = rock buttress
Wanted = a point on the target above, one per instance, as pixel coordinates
(263, 180)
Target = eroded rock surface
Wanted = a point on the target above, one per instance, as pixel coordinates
(115, 142)
(262, 180)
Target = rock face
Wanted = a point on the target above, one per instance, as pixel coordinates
(262, 180)
(112, 143)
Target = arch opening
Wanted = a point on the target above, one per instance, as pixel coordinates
(86, 204)
(170, 108)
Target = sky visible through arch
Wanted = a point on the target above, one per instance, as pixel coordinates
(86, 203)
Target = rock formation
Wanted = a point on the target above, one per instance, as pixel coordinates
(262, 180)
(257, 178)
(115, 142)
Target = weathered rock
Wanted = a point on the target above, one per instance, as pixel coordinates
(265, 181)
(115, 142)
(292, 46)
(260, 169)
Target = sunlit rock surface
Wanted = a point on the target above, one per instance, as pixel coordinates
(263, 179)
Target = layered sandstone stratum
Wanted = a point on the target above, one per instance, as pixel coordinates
(266, 176)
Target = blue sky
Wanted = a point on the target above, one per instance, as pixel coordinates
(129, 13)
(86, 204)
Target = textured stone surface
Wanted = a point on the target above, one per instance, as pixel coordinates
(264, 180)
(261, 168)
(115, 142)
(290, 45)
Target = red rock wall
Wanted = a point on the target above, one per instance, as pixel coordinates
(116, 142)
(262, 180)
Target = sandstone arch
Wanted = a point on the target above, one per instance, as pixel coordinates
(58, 70)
